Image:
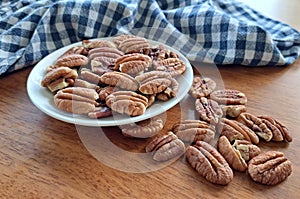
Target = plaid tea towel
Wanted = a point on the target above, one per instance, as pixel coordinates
(210, 31)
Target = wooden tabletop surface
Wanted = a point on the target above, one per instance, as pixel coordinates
(41, 157)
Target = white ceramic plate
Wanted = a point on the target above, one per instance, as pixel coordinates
(42, 98)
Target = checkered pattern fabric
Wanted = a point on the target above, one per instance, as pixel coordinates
(210, 31)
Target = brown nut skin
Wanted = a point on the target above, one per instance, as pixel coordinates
(209, 110)
(165, 147)
(143, 129)
(229, 97)
(232, 156)
(202, 87)
(209, 163)
(269, 168)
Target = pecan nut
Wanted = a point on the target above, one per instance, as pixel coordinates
(153, 82)
(165, 147)
(209, 110)
(71, 61)
(209, 163)
(76, 100)
(133, 44)
(90, 44)
(57, 78)
(280, 131)
(232, 156)
(192, 131)
(120, 80)
(228, 96)
(169, 92)
(257, 125)
(120, 38)
(174, 66)
(159, 53)
(127, 102)
(233, 111)
(100, 112)
(269, 168)
(106, 91)
(235, 130)
(85, 84)
(89, 76)
(247, 149)
(133, 63)
(143, 129)
(202, 87)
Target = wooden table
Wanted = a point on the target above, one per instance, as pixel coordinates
(41, 157)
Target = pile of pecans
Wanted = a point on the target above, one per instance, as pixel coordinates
(125, 75)
(225, 122)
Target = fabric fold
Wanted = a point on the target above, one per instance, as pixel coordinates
(211, 31)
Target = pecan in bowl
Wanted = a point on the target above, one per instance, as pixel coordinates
(209, 163)
(269, 168)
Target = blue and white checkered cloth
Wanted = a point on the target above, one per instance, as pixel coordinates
(210, 31)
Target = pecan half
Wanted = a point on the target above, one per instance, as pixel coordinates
(100, 112)
(120, 80)
(133, 63)
(127, 102)
(165, 147)
(57, 78)
(257, 125)
(202, 87)
(232, 156)
(85, 84)
(89, 76)
(228, 96)
(194, 130)
(143, 129)
(71, 61)
(174, 66)
(106, 91)
(233, 111)
(209, 163)
(90, 44)
(209, 110)
(76, 100)
(280, 131)
(159, 53)
(153, 82)
(75, 50)
(133, 44)
(235, 130)
(269, 168)
(169, 92)
(120, 38)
